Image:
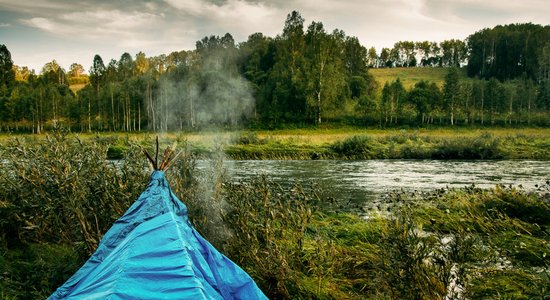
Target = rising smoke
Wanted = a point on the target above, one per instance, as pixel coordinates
(210, 94)
(206, 94)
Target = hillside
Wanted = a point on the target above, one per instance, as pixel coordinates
(410, 76)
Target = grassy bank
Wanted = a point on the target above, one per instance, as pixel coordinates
(59, 195)
(396, 144)
(340, 143)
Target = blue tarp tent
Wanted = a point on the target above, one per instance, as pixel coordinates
(153, 252)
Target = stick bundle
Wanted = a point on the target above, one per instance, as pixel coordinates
(167, 159)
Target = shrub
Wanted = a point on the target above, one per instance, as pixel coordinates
(269, 227)
(482, 147)
(356, 147)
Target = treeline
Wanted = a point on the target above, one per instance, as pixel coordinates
(303, 76)
(476, 102)
(449, 53)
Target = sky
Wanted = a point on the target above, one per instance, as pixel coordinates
(39, 31)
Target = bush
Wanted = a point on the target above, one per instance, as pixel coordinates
(35, 270)
(249, 138)
(63, 190)
(269, 227)
(482, 147)
(356, 147)
(116, 151)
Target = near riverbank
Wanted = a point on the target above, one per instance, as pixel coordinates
(59, 195)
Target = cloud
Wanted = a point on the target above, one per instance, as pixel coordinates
(237, 17)
(42, 23)
(488, 11)
(91, 24)
(193, 7)
(30, 6)
(117, 19)
(128, 30)
(157, 27)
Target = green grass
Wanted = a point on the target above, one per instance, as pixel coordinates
(395, 144)
(410, 76)
(340, 143)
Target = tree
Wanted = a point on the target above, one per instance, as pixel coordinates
(424, 50)
(454, 53)
(325, 72)
(425, 96)
(176, 59)
(451, 89)
(7, 74)
(255, 62)
(467, 101)
(97, 77)
(318, 48)
(97, 71)
(478, 98)
(409, 52)
(494, 98)
(141, 64)
(22, 73)
(52, 72)
(508, 51)
(544, 78)
(76, 70)
(286, 84)
(393, 96)
(385, 57)
(372, 58)
(125, 66)
(361, 83)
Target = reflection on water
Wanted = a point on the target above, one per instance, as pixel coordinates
(364, 181)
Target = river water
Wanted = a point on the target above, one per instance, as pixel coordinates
(365, 181)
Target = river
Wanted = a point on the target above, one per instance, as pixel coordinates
(364, 181)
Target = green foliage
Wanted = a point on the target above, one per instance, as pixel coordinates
(509, 284)
(58, 196)
(249, 138)
(504, 251)
(34, 271)
(116, 151)
(514, 204)
(7, 74)
(508, 51)
(270, 224)
(63, 190)
(413, 264)
(78, 80)
(355, 147)
(482, 147)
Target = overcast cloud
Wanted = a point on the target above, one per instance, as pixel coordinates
(70, 31)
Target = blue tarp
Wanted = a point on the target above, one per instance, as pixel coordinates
(153, 252)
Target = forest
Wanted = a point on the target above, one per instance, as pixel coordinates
(303, 77)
